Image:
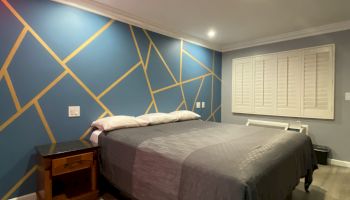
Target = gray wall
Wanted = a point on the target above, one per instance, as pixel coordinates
(332, 133)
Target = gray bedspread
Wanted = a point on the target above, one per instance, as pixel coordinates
(205, 160)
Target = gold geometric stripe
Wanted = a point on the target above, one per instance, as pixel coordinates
(12, 91)
(196, 78)
(20, 182)
(88, 41)
(150, 89)
(136, 44)
(148, 55)
(166, 88)
(212, 83)
(144, 65)
(213, 113)
(212, 93)
(118, 80)
(90, 128)
(44, 121)
(201, 64)
(180, 105)
(160, 56)
(181, 83)
(53, 54)
(213, 59)
(13, 51)
(30, 103)
(149, 107)
(199, 89)
(181, 86)
(214, 118)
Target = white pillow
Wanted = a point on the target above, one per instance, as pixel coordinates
(118, 122)
(158, 118)
(184, 115)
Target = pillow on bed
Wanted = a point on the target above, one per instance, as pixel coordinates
(118, 122)
(184, 115)
(158, 118)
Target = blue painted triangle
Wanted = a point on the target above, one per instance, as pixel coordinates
(205, 96)
(190, 91)
(169, 48)
(157, 72)
(142, 42)
(217, 93)
(7, 107)
(168, 100)
(31, 60)
(218, 115)
(204, 55)
(10, 28)
(191, 69)
(218, 63)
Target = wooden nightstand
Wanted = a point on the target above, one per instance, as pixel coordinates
(67, 170)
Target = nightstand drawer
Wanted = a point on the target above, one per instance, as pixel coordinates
(71, 163)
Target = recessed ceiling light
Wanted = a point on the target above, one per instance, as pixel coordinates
(211, 33)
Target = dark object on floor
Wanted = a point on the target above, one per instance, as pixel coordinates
(322, 153)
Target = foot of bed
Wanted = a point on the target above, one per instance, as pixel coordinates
(306, 187)
(308, 180)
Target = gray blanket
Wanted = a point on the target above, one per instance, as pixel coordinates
(205, 160)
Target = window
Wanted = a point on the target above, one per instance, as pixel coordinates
(298, 83)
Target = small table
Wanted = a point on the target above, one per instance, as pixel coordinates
(67, 170)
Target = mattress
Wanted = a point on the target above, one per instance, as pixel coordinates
(206, 160)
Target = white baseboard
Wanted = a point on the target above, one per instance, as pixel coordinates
(31, 196)
(339, 163)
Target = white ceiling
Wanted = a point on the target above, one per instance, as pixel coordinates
(238, 23)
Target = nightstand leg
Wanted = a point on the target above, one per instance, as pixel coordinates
(93, 177)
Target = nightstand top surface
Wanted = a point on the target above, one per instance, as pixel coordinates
(64, 147)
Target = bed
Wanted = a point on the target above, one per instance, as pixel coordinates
(206, 160)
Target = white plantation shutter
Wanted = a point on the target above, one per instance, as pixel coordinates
(265, 68)
(288, 83)
(318, 86)
(242, 86)
(297, 83)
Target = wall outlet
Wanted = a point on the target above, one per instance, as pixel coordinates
(73, 111)
(203, 104)
(347, 96)
(198, 104)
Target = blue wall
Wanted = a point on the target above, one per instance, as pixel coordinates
(52, 56)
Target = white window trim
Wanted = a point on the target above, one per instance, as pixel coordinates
(325, 115)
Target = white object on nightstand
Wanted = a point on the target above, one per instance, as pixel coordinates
(347, 96)
(73, 111)
(198, 104)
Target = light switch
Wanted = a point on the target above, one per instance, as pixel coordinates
(203, 104)
(73, 111)
(198, 104)
(347, 96)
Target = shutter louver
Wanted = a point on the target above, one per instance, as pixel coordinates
(318, 83)
(264, 84)
(288, 84)
(242, 86)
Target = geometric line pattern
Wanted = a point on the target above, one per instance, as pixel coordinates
(142, 63)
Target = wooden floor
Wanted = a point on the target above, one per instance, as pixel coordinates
(330, 183)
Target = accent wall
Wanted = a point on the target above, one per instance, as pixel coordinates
(53, 56)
